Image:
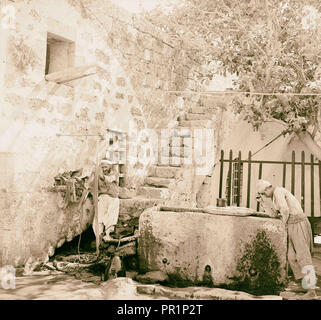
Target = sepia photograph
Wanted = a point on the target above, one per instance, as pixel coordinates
(160, 151)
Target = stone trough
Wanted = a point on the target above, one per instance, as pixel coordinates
(238, 247)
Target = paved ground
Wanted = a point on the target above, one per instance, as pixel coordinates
(52, 285)
(296, 293)
(55, 285)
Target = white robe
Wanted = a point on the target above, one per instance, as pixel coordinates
(108, 212)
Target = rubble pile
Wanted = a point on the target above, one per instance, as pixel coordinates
(90, 267)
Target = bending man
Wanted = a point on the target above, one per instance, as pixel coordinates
(300, 241)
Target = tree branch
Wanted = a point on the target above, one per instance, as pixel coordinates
(316, 125)
(244, 29)
(277, 121)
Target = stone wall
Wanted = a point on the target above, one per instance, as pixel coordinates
(47, 127)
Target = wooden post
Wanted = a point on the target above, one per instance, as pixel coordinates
(239, 179)
(312, 186)
(249, 181)
(302, 179)
(230, 177)
(221, 174)
(95, 196)
(260, 177)
(293, 173)
(284, 175)
(320, 184)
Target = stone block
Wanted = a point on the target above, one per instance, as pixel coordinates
(159, 182)
(151, 172)
(128, 249)
(183, 132)
(121, 82)
(200, 110)
(119, 95)
(135, 112)
(154, 193)
(168, 172)
(173, 161)
(235, 248)
(194, 123)
(147, 54)
(176, 142)
(193, 116)
(132, 208)
(125, 193)
(184, 152)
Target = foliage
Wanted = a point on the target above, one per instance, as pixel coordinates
(272, 46)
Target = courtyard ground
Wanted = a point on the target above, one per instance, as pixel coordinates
(55, 285)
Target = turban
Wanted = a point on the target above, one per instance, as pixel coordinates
(262, 185)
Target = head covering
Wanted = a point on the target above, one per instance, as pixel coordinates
(261, 185)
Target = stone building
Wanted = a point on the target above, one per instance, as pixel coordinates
(69, 71)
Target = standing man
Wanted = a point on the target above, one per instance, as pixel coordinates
(300, 241)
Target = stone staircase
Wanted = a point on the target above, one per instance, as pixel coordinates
(170, 181)
(163, 178)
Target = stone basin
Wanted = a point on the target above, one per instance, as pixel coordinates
(230, 210)
(239, 249)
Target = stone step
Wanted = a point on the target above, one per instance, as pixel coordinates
(202, 110)
(159, 182)
(173, 143)
(171, 161)
(197, 110)
(175, 132)
(194, 116)
(211, 101)
(165, 172)
(177, 142)
(189, 142)
(194, 123)
(154, 193)
(180, 152)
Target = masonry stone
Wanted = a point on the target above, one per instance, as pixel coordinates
(159, 182)
(167, 172)
(182, 244)
(154, 193)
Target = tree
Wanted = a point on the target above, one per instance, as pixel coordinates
(272, 46)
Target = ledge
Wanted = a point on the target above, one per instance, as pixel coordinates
(71, 74)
